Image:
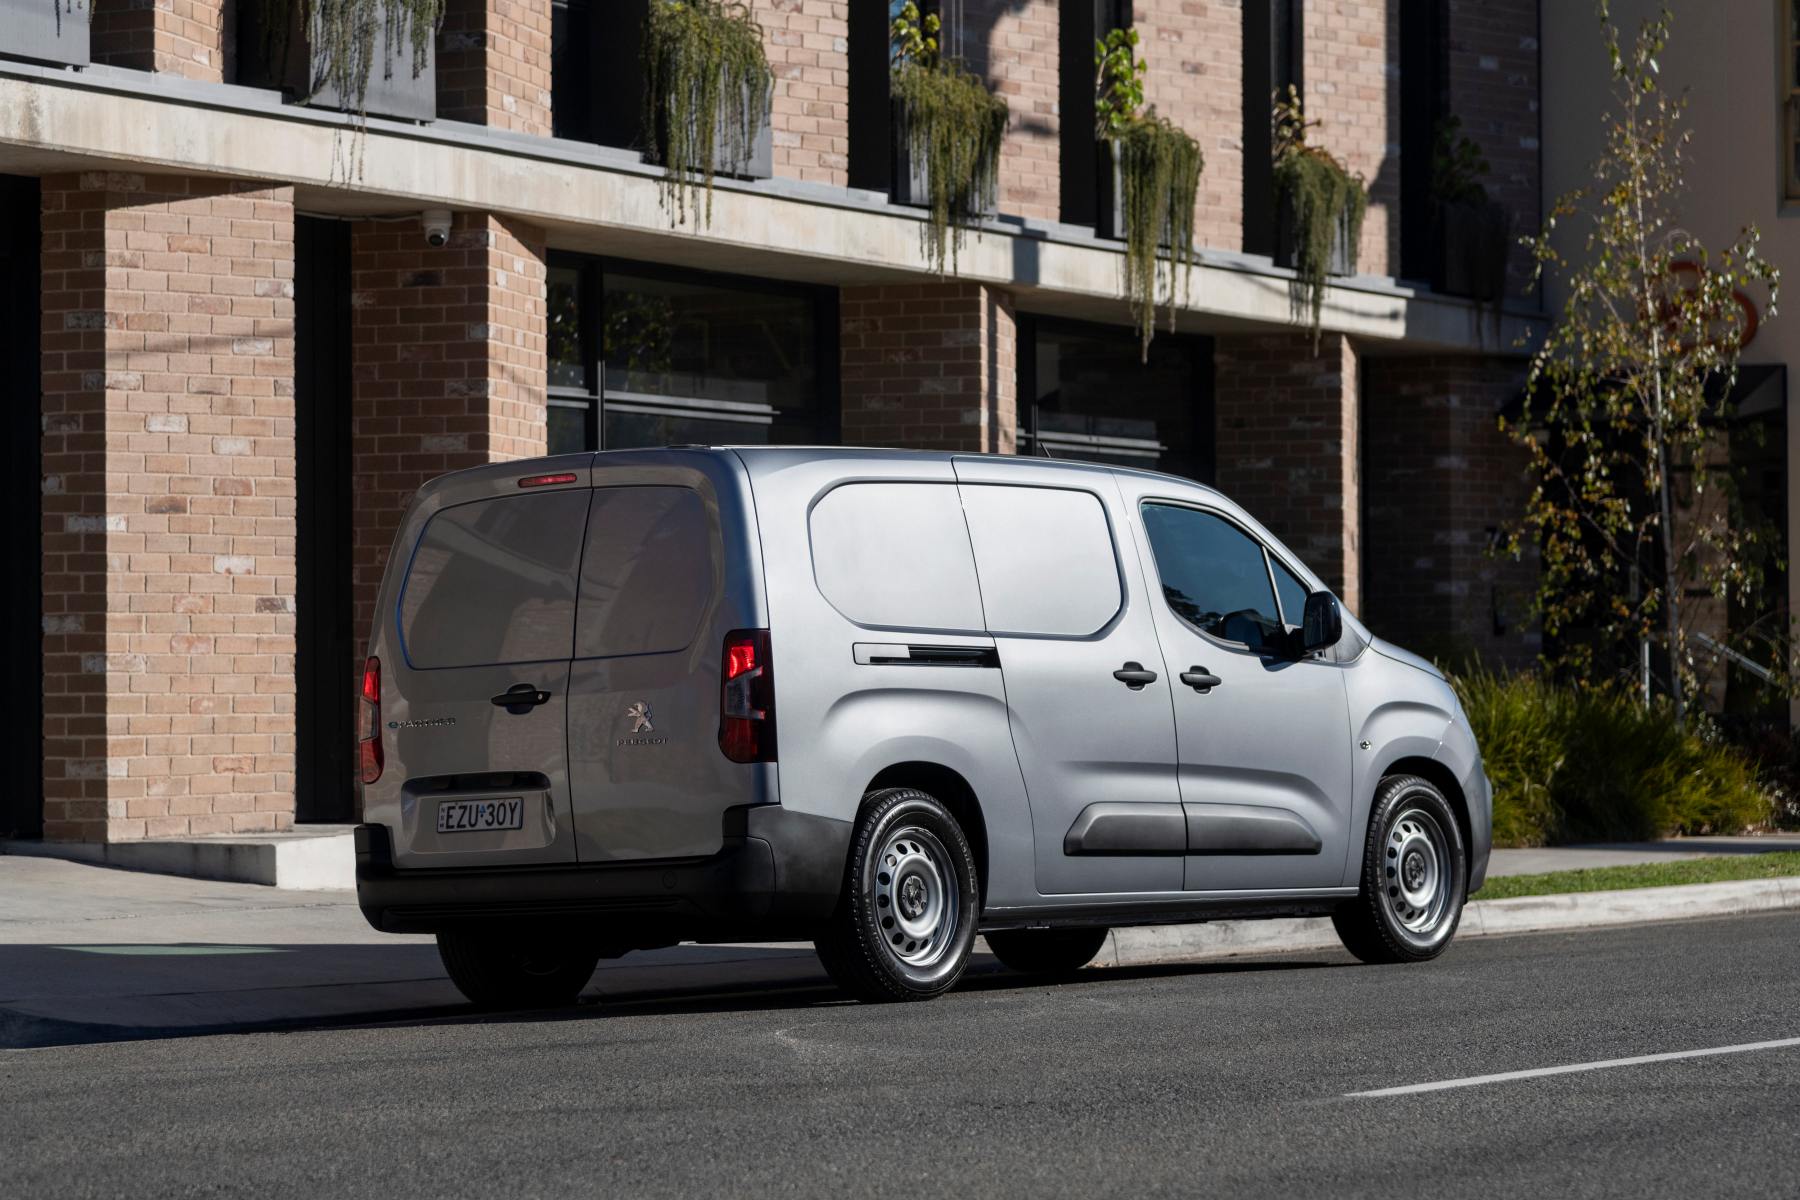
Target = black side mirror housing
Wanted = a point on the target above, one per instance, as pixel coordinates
(1323, 624)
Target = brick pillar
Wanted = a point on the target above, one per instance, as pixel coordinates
(807, 42)
(1442, 480)
(1287, 446)
(929, 366)
(1494, 87)
(450, 367)
(180, 37)
(168, 458)
(493, 65)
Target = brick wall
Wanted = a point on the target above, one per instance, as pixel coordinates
(182, 37)
(1351, 69)
(1012, 44)
(1288, 446)
(1440, 481)
(449, 367)
(807, 42)
(168, 459)
(929, 366)
(1494, 89)
(1194, 50)
(493, 65)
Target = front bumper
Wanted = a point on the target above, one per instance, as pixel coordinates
(777, 875)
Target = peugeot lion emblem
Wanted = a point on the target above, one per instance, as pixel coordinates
(640, 718)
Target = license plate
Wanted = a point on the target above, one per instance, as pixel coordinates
(469, 816)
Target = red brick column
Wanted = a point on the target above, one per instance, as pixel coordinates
(1350, 90)
(807, 42)
(1288, 446)
(1441, 480)
(1494, 88)
(450, 367)
(168, 574)
(1012, 44)
(181, 37)
(1194, 50)
(929, 366)
(493, 65)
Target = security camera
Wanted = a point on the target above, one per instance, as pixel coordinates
(437, 226)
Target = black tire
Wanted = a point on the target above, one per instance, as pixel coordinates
(1047, 951)
(905, 933)
(505, 969)
(1414, 877)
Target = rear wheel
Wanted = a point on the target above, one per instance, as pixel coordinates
(500, 969)
(906, 921)
(1047, 951)
(1414, 877)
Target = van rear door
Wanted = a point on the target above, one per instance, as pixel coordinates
(476, 702)
(661, 586)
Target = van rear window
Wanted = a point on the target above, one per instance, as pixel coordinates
(650, 572)
(896, 556)
(494, 582)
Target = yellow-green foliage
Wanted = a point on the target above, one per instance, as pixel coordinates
(1575, 765)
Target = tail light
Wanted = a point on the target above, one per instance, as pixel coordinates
(368, 746)
(747, 698)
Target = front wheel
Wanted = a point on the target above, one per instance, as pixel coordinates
(1414, 877)
(906, 922)
(501, 969)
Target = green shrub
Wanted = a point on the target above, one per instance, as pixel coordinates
(1573, 765)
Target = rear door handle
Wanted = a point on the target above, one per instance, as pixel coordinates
(1200, 679)
(521, 698)
(1134, 676)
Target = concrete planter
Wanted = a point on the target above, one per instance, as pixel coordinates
(53, 31)
(1285, 240)
(1109, 219)
(759, 164)
(912, 180)
(1472, 242)
(297, 65)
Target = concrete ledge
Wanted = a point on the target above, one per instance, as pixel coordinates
(1482, 918)
(318, 858)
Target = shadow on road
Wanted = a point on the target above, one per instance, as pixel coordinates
(63, 995)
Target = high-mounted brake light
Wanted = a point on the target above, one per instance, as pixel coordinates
(368, 745)
(747, 698)
(547, 480)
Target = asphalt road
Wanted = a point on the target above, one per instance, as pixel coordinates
(1228, 1079)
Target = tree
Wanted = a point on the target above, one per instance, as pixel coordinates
(1627, 394)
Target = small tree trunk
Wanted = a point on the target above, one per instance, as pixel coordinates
(1671, 586)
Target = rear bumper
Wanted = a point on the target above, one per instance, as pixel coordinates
(777, 874)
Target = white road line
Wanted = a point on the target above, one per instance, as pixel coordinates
(1412, 1089)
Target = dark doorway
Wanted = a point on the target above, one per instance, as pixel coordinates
(21, 608)
(324, 639)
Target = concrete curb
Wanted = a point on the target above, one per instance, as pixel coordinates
(316, 858)
(1156, 944)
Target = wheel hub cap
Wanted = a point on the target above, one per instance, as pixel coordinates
(1417, 873)
(916, 901)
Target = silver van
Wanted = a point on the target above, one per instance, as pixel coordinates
(883, 700)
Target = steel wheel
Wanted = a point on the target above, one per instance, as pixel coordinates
(1417, 873)
(916, 897)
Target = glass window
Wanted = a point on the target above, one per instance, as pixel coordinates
(649, 572)
(1045, 557)
(1213, 575)
(640, 357)
(1291, 591)
(1087, 393)
(896, 555)
(494, 582)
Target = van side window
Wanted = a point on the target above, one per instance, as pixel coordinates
(494, 582)
(1046, 559)
(1213, 575)
(896, 556)
(648, 574)
(1292, 592)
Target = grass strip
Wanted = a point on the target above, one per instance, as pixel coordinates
(1766, 865)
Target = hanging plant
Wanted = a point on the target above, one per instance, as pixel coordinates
(707, 85)
(1325, 201)
(953, 127)
(1159, 169)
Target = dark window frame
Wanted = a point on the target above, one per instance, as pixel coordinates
(1204, 399)
(592, 270)
(603, 104)
(1424, 103)
(1083, 23)
(1274, 57)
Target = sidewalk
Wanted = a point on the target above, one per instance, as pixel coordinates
(92, 953)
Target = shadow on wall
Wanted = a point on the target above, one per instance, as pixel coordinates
(970, 32)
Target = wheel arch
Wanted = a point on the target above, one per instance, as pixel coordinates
(950, 788)
(1440, 777)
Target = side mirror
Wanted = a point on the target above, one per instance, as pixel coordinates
(1323, 624)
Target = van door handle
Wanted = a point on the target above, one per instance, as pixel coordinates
(521, 698)
(1134, 676)
(1200, 679)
